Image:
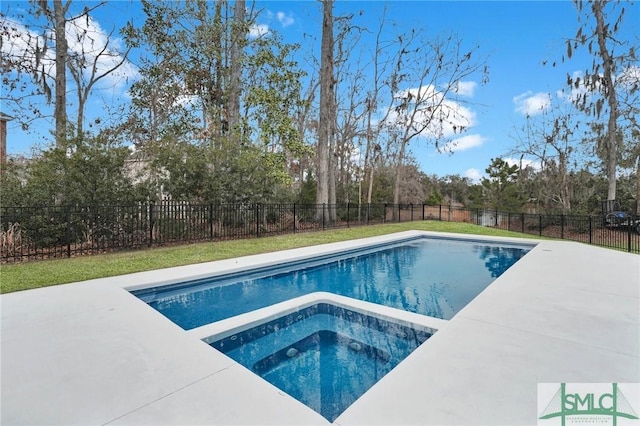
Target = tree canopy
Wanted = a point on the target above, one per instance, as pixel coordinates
(220, 112)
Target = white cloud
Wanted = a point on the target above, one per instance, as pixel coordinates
(530, 104)
(18, 44)
(86, 40)
(426, 93)
(436, 116)
(474, 175)
(629, 77)
(576, 91)
(463, 143)
(457, 119)
(284, 19)
(524, 163)
(466, 88)
(258, 30)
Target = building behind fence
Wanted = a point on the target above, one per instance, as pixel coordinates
(29, 233)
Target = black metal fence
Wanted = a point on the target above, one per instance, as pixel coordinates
(28, 233)
(596, 230)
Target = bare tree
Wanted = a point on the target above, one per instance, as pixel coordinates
(630, 109)
(372, 148)
(387, 58)
(88, 58)
(306, 122)
(429, 108)
(238, 41)
(598, 32)
(350, 113)
(32, 57)
(99, 60)
(327, 102)
(551, 138)
(59, 21)
(350, 105)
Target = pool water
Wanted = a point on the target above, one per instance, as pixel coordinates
(429, 276)
(325, 356)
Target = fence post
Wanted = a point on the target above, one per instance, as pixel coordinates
(294, 218)
(211, 221)
(508, 221)
(522, 222)
(440, 212)
(422, 211)
(562, 226)
(384, 215)
(629, 227)
(368, 211)
(68, 233)
(348, 205)
(323, 210)
(411, 207)
(257, 219)
(151, 220)
(399, 213)
(590, 230)
(540, 225)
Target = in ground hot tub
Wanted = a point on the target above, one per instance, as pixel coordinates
(324, 355)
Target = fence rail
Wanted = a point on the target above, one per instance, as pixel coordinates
(29, 233)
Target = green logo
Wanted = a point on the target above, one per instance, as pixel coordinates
(590, 405)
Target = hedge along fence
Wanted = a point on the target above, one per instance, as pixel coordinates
(29, 233)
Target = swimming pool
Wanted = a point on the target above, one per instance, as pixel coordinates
(324, 355)
(430, 276)
(326, 328)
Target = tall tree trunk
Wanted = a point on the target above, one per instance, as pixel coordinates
(326, 113)
(60, 109)
(565, 194)
(238, 34)
(369, 153)
(367, 166)
(214, 105)
(80, 119)
(333, 170)
(370, 190)
(396, 186)
(607, 65)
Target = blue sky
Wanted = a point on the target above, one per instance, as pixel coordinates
(516, 37)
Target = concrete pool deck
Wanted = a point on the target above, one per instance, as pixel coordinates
(91, 353)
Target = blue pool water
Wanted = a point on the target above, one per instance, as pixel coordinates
(324, 355)
(429, 276)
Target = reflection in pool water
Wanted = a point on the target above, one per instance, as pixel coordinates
(429, 276)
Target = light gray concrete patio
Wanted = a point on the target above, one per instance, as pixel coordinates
(91, 353)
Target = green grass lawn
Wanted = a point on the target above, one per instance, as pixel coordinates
(28, 275)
